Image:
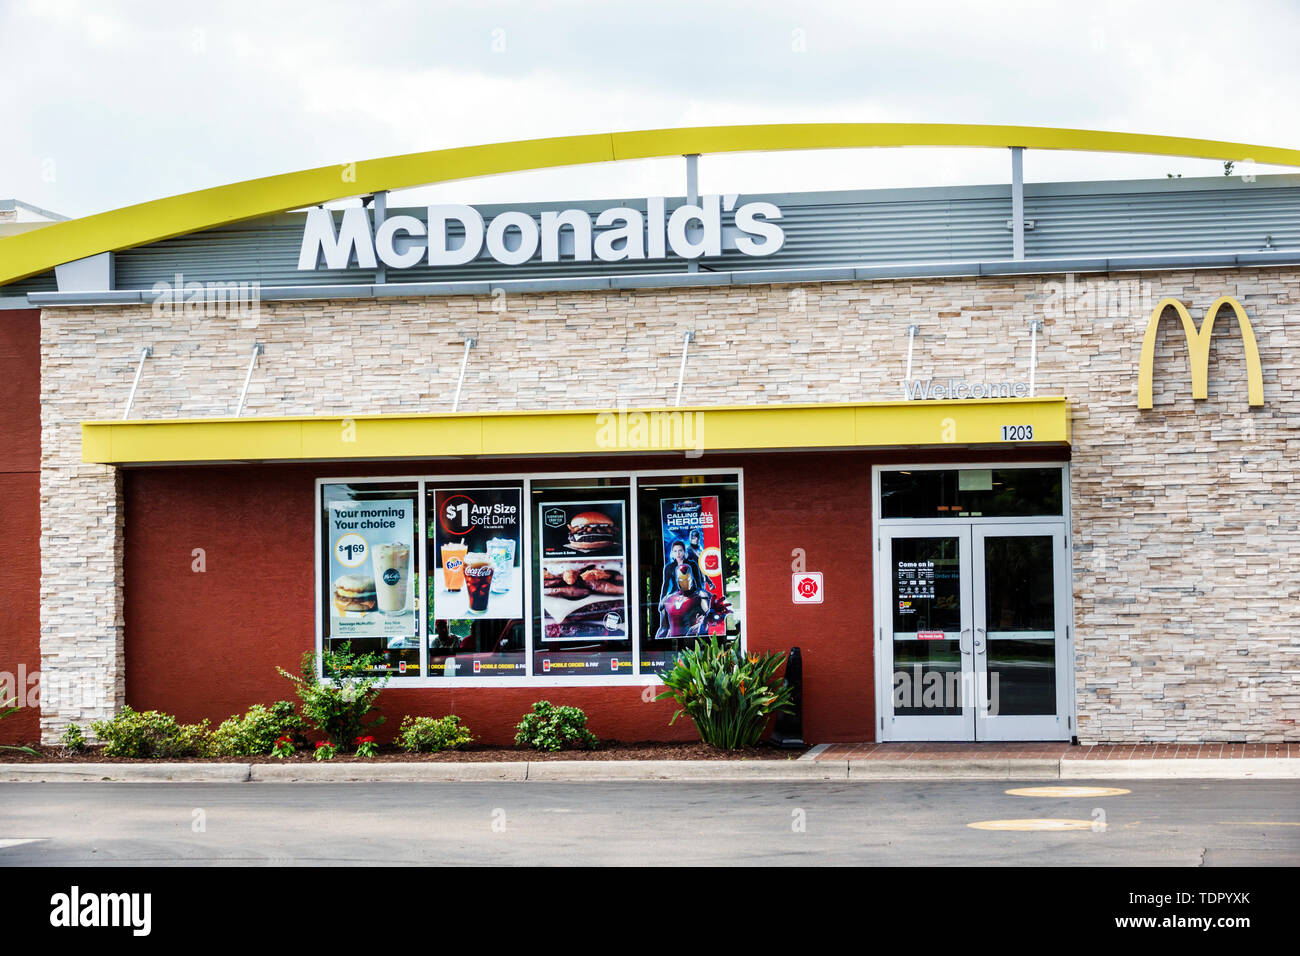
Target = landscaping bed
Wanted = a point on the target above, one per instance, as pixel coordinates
(608, 750)
(729, 696)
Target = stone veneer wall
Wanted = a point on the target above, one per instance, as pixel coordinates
(1186, 532)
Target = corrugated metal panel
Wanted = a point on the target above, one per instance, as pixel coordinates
(848, 228)
(817, 233)
(45, 282)
(1163, 224)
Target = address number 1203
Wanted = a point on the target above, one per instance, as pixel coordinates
(1017, 432)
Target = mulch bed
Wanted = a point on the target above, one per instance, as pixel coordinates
(608, 750)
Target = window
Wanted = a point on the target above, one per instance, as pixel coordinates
(475, 593)
(550, 579)
(689, 542)
(581, 571)
(971, 493)
(370, 565)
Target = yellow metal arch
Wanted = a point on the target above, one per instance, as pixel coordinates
(1198, 349)
(40, 250)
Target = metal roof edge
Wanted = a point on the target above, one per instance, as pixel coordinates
(955, 270)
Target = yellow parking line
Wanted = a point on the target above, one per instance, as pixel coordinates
(1041, 823)
(1068, 792)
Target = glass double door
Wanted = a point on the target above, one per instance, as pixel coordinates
(973, 633)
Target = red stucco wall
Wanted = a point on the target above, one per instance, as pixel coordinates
(20, 462)
(207, 644)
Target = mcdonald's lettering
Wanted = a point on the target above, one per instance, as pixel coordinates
(1198, 347)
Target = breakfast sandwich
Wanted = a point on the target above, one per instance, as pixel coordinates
(354, 592)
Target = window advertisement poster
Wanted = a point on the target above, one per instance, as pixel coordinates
(692, 592)
(371, 571)
(476, 588)
(583, 587)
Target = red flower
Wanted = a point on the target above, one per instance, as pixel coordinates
(322, 743)
(365, 740)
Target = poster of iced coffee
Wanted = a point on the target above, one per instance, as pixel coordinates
(584, 571)
(371, 582)
(692, 591)
(475, 546)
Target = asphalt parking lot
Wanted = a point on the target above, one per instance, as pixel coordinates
(1171, 823)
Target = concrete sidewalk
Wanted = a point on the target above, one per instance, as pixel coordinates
(825, 763)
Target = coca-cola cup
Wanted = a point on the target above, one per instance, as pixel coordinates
(478, 582)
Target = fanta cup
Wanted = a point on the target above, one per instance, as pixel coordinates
(453, 565)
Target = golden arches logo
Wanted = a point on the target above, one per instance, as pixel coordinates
(1198, 347)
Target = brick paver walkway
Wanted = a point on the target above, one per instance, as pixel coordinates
(1010, 751)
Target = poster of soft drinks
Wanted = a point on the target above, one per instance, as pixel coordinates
(475, 543)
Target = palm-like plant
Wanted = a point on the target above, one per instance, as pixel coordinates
(727, 694)
(5, 710)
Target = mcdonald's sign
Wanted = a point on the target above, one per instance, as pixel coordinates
(1198, 346)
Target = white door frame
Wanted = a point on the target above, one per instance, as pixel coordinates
(882, 598)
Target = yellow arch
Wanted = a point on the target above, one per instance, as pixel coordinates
(1198, 349)
(40, 250)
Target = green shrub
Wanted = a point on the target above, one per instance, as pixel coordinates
(73, 739)
(553, 728)
(728, 695)
(151, 734)
(257, 731)
(420, 735)
(337, 705)
(5, 710)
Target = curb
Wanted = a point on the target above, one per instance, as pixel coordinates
(514, 770)
(1210, 768)
(955, 769)
(125, 773)
(684, 771)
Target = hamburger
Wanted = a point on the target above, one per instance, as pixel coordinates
(354, 592)
(592, 531)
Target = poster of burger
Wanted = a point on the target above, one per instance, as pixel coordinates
(371, 584)
(583, 571)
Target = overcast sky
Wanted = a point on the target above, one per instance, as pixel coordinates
(103, 104)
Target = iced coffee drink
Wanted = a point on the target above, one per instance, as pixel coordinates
(392, 563)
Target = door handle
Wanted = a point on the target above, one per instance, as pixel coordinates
(960, 646)
(979, 643)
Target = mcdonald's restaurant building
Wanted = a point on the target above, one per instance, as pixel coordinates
(1005, 462)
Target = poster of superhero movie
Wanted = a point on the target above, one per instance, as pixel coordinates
(692, 576)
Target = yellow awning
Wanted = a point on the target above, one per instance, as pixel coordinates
(900, 424)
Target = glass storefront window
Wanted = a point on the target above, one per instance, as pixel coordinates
(689, 558)
(589, 577)
(474, 539)
(581, 570)
(971, 493)
(371, 569)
